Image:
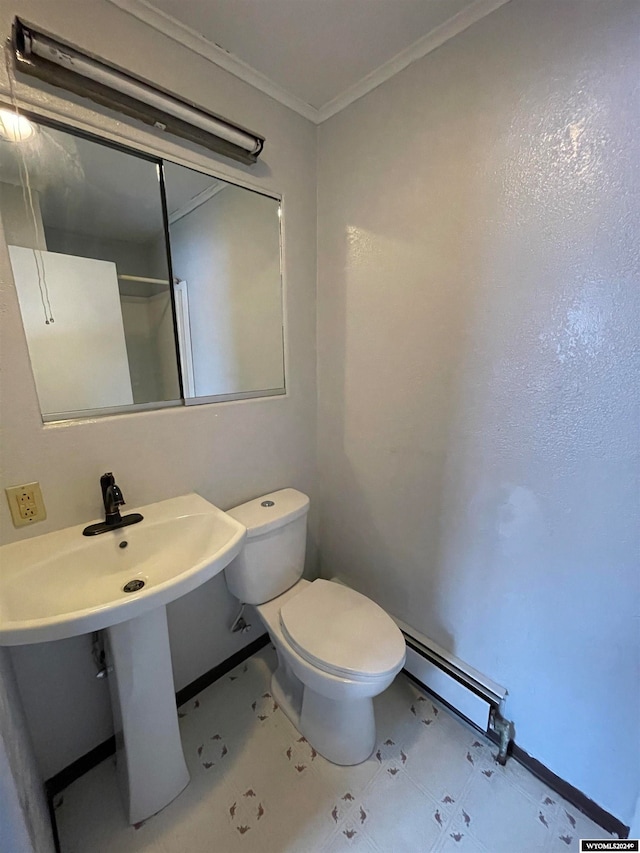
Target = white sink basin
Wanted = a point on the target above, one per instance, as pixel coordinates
(62, 584)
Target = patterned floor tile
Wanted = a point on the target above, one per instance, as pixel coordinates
(393, 708)
(570, 827)
(439, 759)
(456, 840)
(504, 819)
(348, 839)
(395, 814)
(298, 813)
(257, 786)
(353, 779)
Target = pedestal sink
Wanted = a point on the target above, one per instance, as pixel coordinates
(63, 584)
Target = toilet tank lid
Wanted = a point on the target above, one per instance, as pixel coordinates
(281, 507)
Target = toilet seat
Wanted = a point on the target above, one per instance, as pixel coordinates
(342, 632)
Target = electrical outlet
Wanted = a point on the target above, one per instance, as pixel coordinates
(26, 504)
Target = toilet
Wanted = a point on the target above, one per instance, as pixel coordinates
(336, 648)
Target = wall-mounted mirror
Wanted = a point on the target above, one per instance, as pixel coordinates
(225, 249)
(87, 236)
(84, 226)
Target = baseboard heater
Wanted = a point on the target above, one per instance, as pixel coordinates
(479, 701)
(469, 693)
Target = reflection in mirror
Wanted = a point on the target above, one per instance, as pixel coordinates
(84, 227)
(225, 254)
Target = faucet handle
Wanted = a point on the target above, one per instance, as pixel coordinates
(116, 495)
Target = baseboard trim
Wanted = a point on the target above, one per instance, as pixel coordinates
(54, 823)
(561, 787)
(199, 684)
(573, 795)
(61, 780)
(79, 767)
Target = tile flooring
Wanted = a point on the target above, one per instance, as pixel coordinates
(258, 787)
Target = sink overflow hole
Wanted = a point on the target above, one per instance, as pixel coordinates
(123, 545)
(133, 586)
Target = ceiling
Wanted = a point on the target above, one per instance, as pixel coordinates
(315, 56)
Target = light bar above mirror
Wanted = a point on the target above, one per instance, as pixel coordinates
(43, 56)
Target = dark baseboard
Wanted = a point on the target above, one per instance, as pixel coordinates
(572, 795)
(82, 765)
(217, 672)
(54, 823)
(79, 767)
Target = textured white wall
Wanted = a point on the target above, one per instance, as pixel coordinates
(478, 367)
(634, 829)
(227, 452)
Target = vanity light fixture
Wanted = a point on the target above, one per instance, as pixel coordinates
(43, 56)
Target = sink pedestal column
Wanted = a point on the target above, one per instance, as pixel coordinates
(150, 761)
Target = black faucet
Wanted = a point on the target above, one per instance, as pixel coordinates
(113, 500)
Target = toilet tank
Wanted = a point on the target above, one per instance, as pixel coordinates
(272, 559)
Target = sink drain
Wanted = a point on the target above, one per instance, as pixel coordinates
(133, 586)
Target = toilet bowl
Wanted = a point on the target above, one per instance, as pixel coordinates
(331, 703)
(336, 648)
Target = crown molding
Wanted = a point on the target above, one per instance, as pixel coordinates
(197, 43)
(189, 38)
(197, 201)
(424, 45)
